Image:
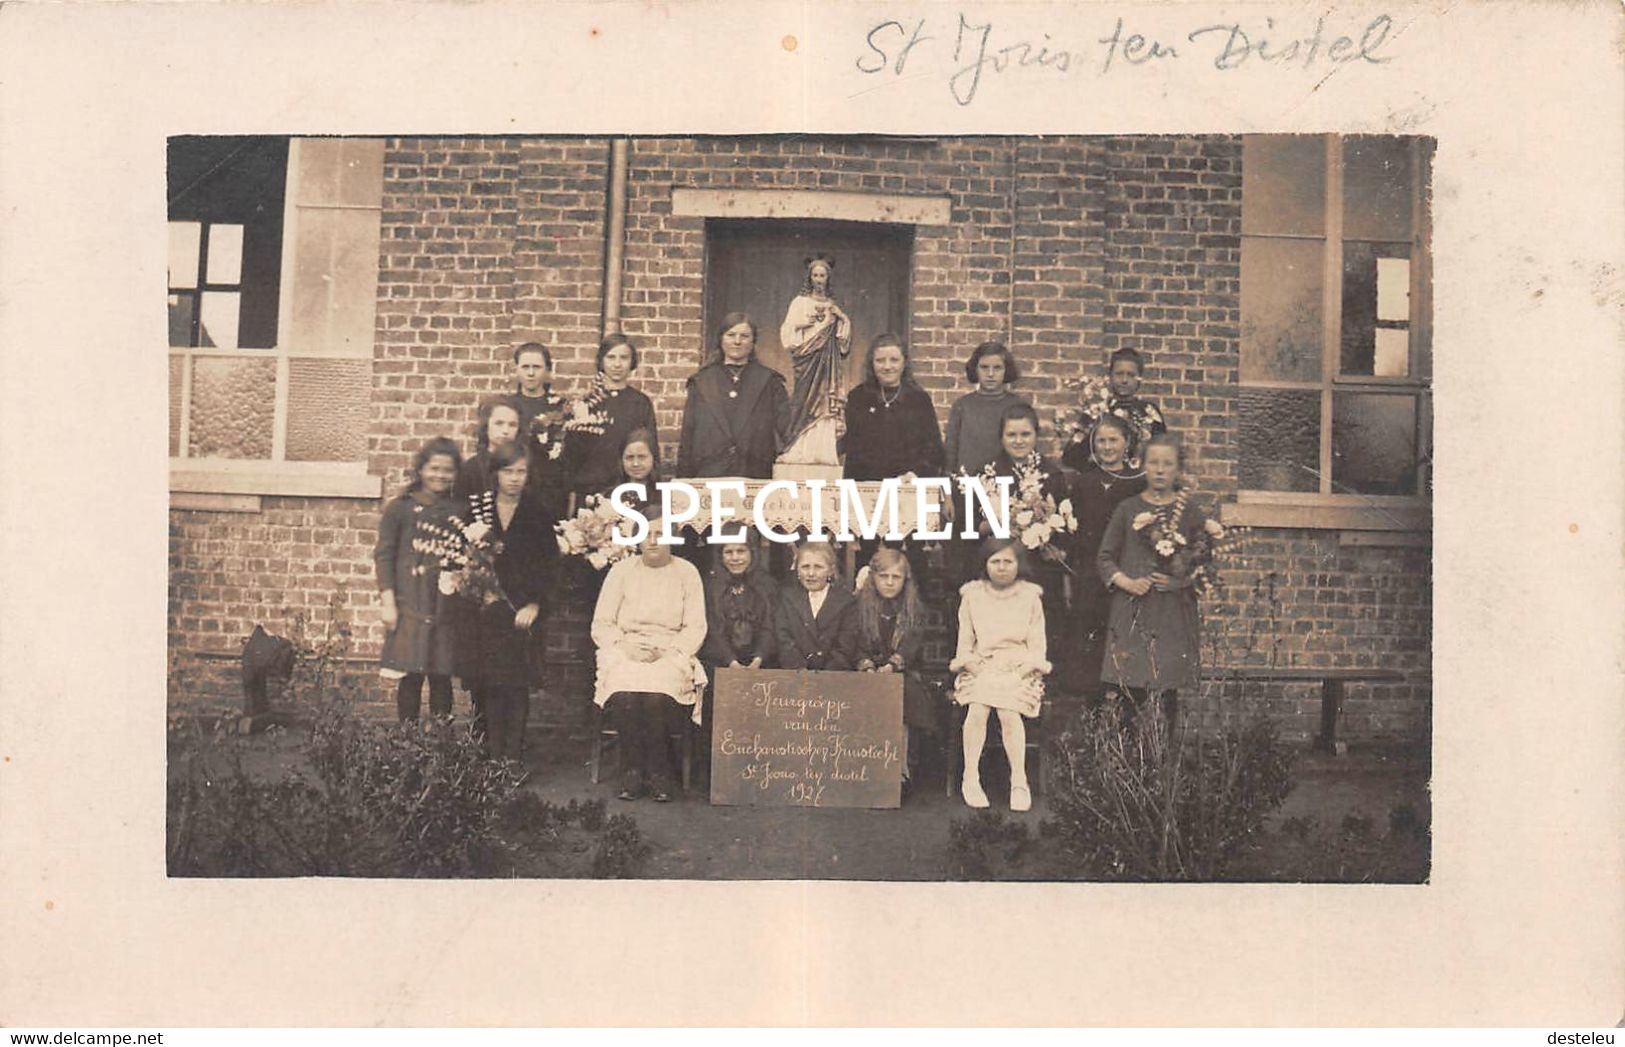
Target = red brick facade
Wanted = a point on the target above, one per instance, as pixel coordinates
(1067, 248)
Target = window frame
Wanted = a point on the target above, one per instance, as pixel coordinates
(1325, 508)
(276, 475)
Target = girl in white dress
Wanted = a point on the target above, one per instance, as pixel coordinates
(1001, 662)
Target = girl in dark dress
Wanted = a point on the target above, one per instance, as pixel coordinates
(1153, 635)
(1018, 456)
(737, 415)
(891, 427)
(595, 458)
(891, 639)
(1102, 484)
(740, 598)
(500, 650)
(419, 644)
(497, 425)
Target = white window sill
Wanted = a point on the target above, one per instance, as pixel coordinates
(1353, 513)
(189, 477)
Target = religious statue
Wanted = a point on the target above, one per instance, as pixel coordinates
(818, 336)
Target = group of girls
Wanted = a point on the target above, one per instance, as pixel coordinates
(1118, 623)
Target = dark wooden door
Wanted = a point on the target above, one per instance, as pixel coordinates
(755, 266)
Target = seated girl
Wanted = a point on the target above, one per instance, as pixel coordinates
(1001, 661)
(648, 627)
(891, 638)
(816, 622)
(740, 600)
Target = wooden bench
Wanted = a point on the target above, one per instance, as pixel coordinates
(1331, 683)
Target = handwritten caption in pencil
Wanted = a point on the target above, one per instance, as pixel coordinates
(974, 50)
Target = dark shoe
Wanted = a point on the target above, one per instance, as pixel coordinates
(661, 796)
(627, 794)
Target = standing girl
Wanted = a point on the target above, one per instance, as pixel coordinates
(500, 649)
(419, 643)
(1103, 482)
(497, 426)
(1153, 640)
(595, 458)
(891, 639)
(1001, 661)
(973, 422)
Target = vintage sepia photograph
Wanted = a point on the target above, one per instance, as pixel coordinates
(759, 514)
(1036, 507)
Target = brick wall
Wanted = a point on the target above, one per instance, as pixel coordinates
(1066, 247)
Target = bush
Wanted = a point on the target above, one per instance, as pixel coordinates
(985, 846)
(401, 800)
(1133, 801)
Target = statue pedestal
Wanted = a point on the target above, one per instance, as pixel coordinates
(806, 471)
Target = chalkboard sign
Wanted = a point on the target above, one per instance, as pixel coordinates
(807, 739)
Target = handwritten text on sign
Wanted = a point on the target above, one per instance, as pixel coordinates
(807, 739)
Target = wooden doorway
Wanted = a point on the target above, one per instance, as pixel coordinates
(755, 266)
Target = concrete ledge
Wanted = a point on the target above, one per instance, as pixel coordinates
(1328, 516)
(894, 208)
(297, 479)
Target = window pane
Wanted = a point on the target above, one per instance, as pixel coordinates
(335, 283)
(1376, 188)
(177, 370)
(183, 247)
(1374, 443)
(1362, 292)
(225, 254)
(1394, 289)
(220, 319)
(232, 404)
(1281, 310)
(180, 318)
(1283, 184)
(328, 410)
(1393, 356)
(1279, 439)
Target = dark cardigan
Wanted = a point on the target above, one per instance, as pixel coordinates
(733, 435)
(830, 642)
(490, 650)
(728, 616)
(883, 441)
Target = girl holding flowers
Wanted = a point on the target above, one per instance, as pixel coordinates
(500, 648)
(419, 643)
(1043, 501)
(1153, 558)
(1103, 482)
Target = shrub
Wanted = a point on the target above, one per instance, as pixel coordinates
(984, 846)
(1133, 801)
(400, 800)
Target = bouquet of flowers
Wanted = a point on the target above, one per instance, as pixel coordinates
(590, 534)
(1181, 557)
(466, 551)
(583, 414)
(1036, 519)
(1094, 400)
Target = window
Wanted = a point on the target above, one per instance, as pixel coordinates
(273, 276)
(1336, 339)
